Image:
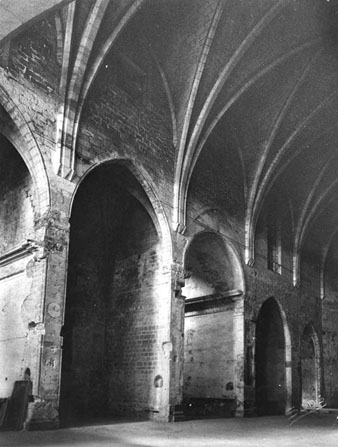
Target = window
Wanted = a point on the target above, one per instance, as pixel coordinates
(274, 245)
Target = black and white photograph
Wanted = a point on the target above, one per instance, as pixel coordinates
(169, 223)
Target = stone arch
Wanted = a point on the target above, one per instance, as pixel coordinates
(214, 327)
(118, 298)
(24, 196)
(156, 209)
(310, 355)
(273, 368)
(18, 132)
(229, 249)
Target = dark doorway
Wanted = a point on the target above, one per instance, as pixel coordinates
(109, 333)
(270, 361)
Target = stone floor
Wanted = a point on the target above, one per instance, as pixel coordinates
(273, 431)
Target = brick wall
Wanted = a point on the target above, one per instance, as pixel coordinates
(209, 362)
(115, 320)
(30, 74)
(134, 320)
(116, 123)
(33, 56)
(128, 119)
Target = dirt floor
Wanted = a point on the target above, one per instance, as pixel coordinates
(274, 431)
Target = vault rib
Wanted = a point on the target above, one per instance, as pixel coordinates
(180, 192)
(192, 97)
(325, 252)
(310, 216)
(302, 218)
(232, 100)
(60, 119)
(94, 69)
(86, 44)
(254, 193)
(168, 93)
(275, 162)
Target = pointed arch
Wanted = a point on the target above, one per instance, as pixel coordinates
(230, 251)
(158, 214)
(214, 319)
(270, 388)
(124, 249)
(26, 145)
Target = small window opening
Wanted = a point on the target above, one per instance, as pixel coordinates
(274, 245)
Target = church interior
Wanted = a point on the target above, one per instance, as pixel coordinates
(168, 233)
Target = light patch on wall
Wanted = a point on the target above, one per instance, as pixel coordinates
(13, 330)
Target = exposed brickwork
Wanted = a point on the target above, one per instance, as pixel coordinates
(208, 362)
(34, 56)
(226, 32)
(119, 125)
(112, 315)
(115, 326)
(229, 177)
(188, 29)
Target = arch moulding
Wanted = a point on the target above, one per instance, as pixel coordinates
(30, 153)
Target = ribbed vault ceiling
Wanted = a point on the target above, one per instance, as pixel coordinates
(254, 83)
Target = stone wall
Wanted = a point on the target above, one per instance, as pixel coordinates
(115, 320)
(121, 311)
(209, 364)
(21, 322)
(22, 273)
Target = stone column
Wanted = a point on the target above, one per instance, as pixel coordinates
(43, 413)
(177, 338)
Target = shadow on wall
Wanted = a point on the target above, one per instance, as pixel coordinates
(111, 328)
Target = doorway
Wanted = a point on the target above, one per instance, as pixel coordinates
(111, 328)
(270, 361)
